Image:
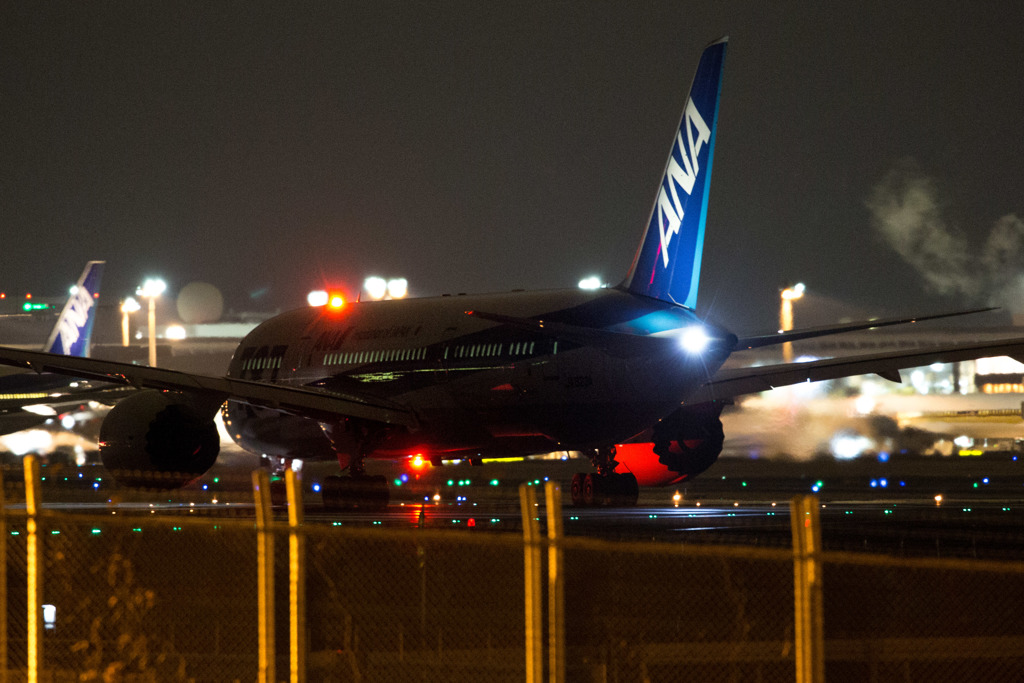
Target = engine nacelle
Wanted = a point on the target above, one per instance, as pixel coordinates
(678, 448)
(156, 439)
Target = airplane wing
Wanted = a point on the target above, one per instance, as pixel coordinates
(304, 401)
(730, 382)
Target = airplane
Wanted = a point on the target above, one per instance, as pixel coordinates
(629, 375)
(71, 335)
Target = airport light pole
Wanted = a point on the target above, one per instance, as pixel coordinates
(788, 295)
(128, 306)
(151, 289)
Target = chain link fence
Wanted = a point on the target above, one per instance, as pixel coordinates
(130, 593)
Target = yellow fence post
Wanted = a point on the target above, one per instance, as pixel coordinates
(265, 576)
(296, 578)
(809, 621)
(33, 569)
(3, 581)
(532, 582)
(556, 584)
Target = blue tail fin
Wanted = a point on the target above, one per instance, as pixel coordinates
(667, 265)
(72, 333)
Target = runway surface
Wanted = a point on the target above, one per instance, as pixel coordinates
(921, 506)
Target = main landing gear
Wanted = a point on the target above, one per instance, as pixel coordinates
(356, 491)
(606, 487)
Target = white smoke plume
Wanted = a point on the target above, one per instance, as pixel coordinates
(907, 213)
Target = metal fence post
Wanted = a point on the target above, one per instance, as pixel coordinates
(532, 583)
(296, 578)
(809, 621)
(33, 569)
(265, 576)
(556, 584)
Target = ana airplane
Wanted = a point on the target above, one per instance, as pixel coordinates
(71, 335)
(629, 375)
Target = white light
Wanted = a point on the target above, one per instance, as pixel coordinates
(592, 282)
(794, 292)
(175, 333)
(376, 287)
(68, 421)
(695, 339)
(45, 411)
(49, 616)
(963, 441)
(28, 441)
(152, 287)
(130, 305)
(864, 405)
(317, 298)
(398, 288)
(846, 446)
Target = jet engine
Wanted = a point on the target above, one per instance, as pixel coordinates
(157, 439)
(678, 448)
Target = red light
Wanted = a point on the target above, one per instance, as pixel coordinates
(336, 301)
(418, 462)
(28, 295)
(471, 522)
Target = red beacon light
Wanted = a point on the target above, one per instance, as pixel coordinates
(330, 300)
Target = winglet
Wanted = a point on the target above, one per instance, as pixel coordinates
(667, 264)
(72, 334)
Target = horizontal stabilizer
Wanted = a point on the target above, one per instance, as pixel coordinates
(728, 383)
(812, 332)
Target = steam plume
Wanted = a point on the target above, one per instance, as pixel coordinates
(907, 213)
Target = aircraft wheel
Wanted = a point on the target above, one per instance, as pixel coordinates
(627, 491)
(370, 493)
(332, 491)
(576, 489)
(594, 487)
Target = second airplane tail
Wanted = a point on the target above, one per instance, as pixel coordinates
(72, 333)
(667, 265)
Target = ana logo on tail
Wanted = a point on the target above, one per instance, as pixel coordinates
(670, 207)
(71, 335)
(76, 315)
(667, 263)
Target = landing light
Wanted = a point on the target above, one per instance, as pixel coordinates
(695, 339)
(317, 298)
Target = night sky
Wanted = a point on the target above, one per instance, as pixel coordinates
(272, 148)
